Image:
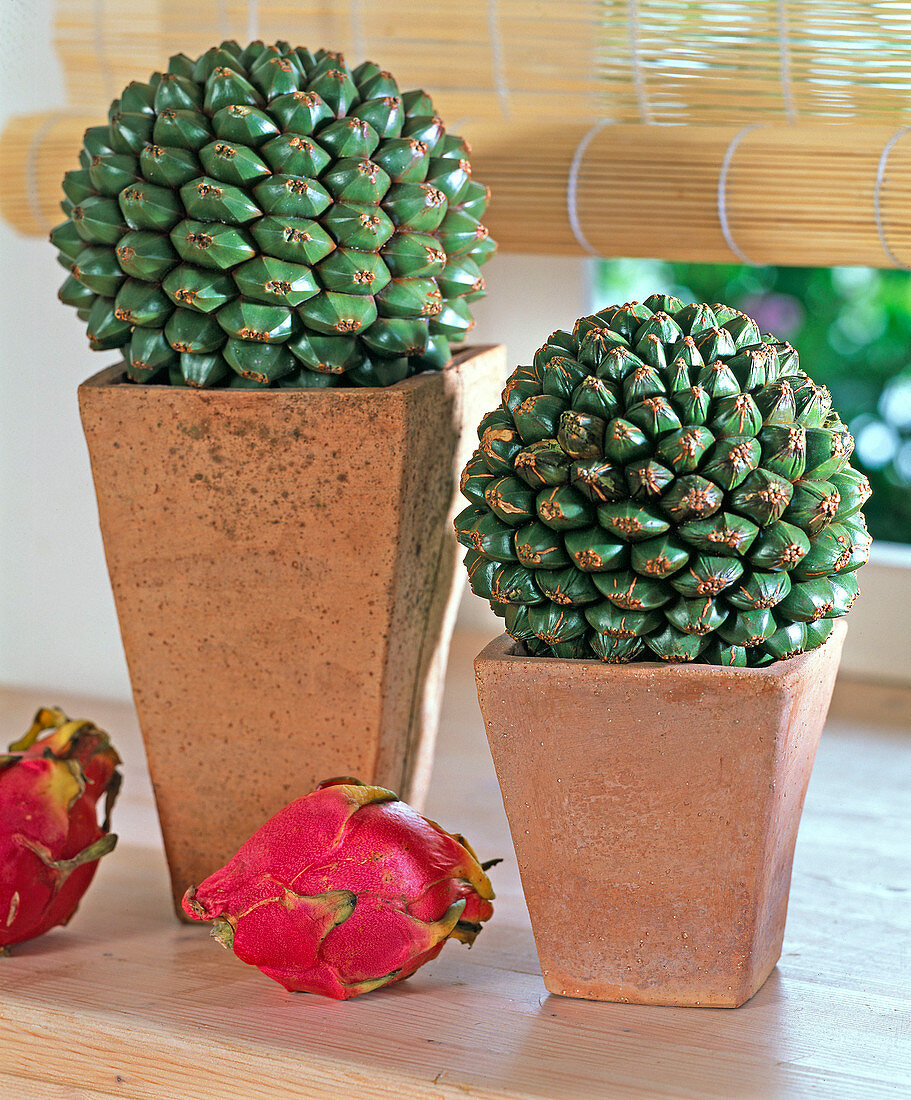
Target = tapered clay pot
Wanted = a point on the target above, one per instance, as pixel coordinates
(285, 577)
(654, 810)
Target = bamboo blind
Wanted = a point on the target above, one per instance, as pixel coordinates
(802, 194)
(760, 130)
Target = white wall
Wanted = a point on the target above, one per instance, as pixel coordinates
(57, 621)
(57, 624)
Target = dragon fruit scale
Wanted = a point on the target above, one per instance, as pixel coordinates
(343, 891)
(50, 838)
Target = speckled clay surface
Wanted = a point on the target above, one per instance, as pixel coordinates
(285, 577)
(654, 810)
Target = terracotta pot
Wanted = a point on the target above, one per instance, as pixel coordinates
(286, 581)
(654, 810)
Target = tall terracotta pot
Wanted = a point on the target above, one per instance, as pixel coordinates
(285, 578)
(654, 810)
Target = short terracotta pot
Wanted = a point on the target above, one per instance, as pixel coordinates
(654, 810)
(286, 582)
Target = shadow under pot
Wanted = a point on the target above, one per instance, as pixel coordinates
(284, 571)
(654, 810)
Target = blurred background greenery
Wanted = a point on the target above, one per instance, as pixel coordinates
(852, 329)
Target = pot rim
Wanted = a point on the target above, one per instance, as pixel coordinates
(114, 376)
(502, 650)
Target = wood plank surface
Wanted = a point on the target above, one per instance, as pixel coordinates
(126, 1002)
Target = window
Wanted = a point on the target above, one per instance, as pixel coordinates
(852, 328)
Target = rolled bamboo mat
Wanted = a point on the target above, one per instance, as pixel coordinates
(794, 195)
(35, 151)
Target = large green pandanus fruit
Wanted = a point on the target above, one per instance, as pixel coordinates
(665, 482)
(268, 216)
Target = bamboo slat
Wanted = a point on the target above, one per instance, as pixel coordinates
(827, 86)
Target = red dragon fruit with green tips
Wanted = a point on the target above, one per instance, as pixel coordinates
(344, 891)
(50, 838)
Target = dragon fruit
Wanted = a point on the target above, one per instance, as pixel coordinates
(344, 891)
(50, 839)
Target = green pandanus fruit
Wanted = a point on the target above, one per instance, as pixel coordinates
(345, 891)
(269, 216)
(50, 838)
(665, 482)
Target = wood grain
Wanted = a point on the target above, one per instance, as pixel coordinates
(128, 1003)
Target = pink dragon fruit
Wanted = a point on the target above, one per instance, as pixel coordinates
(50, 839)
(344, 891)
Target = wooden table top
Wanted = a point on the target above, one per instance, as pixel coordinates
(127, 1002)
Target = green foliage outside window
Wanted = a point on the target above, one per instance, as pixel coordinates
(852, 328)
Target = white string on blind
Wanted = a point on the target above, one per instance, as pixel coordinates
(723, 219)
(358, 38)
(877, 196)
(499, 65)
(784, 55)
(645, 114)
(572, 186)
(32, 189)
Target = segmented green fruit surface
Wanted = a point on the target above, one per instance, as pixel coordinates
(268, 216)
(665, 482)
